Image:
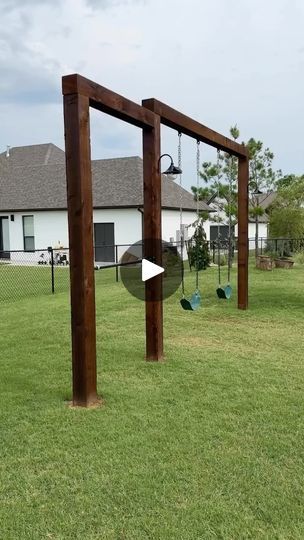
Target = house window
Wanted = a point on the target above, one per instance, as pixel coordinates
(28, 233)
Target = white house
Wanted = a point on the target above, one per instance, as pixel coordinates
(33, 212)
(265, 200)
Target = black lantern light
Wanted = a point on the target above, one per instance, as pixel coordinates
(173, 171)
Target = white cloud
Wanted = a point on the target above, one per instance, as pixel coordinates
(108, 4)
(219, 62)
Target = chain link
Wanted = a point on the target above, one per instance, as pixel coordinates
(179, 159)
(198, 157)
(218, 218)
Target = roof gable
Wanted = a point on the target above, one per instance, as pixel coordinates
(37, 181)
(33, 155)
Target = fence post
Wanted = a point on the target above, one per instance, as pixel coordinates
(50, 250)
(116, 261)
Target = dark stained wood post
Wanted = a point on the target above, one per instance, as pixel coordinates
(243, 181)
(80, 217)
(152, 240)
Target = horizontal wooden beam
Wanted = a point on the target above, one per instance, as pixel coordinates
(107, 101)
(180, 122)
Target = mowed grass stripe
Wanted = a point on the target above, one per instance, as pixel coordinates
(208, 444)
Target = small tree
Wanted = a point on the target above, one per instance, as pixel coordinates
(287, 222)
(198, 251)
(262, 180)
(290, 193)
(221, 179)
(221, 182)
(288, 180)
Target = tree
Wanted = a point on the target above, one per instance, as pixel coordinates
(286, 214)
(288, 180)
(221, 180)
(290, 192)
(198, 251)
(262, 180)
(287, 222)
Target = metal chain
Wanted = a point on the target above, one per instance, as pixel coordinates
(229, 219)
(197, 208)
(218, 218)
(179, 162)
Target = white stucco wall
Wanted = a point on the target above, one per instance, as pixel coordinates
(171, 223)
(207, 224)
(263, 230)
(127, 223)
(51, 227)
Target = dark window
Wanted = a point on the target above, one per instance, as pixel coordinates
(28, 233)
(224, 232)
(104, 242)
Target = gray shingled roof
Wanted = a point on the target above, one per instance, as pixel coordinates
(265, 200)
(36, 154)
(33, 178)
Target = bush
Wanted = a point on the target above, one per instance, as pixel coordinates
(299, 257)
(287, 223)
(278, 247)
(223, 260)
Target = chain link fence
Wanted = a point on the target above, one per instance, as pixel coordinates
(277, 247)
(46, 271)
(33, 273)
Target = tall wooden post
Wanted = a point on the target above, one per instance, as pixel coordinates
(80, 218)
(152, 240)
(243, 181)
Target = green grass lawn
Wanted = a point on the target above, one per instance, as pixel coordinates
(207, 445)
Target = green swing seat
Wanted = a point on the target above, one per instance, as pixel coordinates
(224, 292)
(192, 304)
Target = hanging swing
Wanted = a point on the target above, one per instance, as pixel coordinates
(194, 302)
(223, 292)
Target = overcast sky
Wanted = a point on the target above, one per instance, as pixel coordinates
(221, 62)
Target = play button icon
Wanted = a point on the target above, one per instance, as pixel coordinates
(138, 268)
(149, 270)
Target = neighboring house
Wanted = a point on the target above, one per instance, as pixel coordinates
(218, 225)
(33, 204)
(264, 201)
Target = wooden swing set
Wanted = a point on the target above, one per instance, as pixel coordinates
(79, 94)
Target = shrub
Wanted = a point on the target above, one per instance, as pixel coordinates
(223, 260)
(287, 223)
(198, 251)
(299, 257)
